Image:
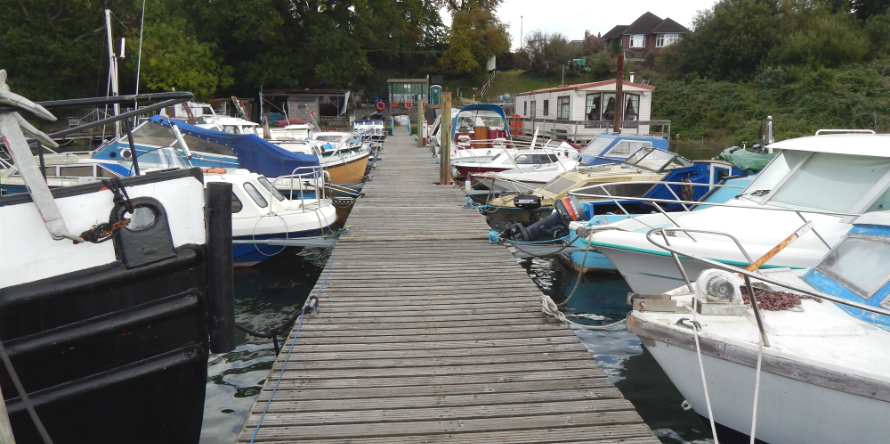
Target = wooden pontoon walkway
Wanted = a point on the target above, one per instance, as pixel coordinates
(426, 333)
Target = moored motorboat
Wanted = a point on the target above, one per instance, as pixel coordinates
(113, 296)
(828, 179)
(809, 365)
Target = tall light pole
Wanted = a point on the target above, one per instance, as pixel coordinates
(520, 33)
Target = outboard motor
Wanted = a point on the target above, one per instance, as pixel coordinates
(568, 209)
(528, 202)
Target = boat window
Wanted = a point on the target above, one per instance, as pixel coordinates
(231, 129)
(844, 264)
(155, 134)
(625, 147)
(76, 171)
(831, 182)
(496, 156)
(268, 185)
(255, 195)
(47, 171)
(236, 203)
(596, 146)
(635, 157)
(656, 160)
(104, 173)
(328, 138)
(758, 190)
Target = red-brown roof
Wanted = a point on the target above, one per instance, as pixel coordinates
(583, 86)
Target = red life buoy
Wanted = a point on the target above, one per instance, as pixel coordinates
(380, 105)
(409, 105)
(394, 104)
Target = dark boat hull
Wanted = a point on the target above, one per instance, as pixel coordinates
(115, 353)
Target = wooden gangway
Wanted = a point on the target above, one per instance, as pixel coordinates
(427, 333)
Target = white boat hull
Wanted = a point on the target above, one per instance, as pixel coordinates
(789, 411)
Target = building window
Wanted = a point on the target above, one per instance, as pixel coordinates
(631, 107)
(533, 110)
(592, 107)
(609, 108)
(562, 107)
(525, 108)
(546, 108)
(637, 41)
(666, 39)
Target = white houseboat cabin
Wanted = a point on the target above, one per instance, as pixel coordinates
(585, 109)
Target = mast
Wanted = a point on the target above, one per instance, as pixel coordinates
(112, 71)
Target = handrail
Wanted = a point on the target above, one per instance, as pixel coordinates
(761, 277)
(314, 175)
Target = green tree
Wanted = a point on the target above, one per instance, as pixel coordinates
(831, 41)
(547, 51)
(729, 42)
(476, 35)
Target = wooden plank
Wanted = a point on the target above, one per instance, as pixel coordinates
(419, 401)
(460, 412)
(428, 333)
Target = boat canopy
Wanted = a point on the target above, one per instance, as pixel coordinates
(254, 153)
(481, 110)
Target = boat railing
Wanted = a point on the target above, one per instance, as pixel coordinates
(303, 178)
(690, 205)
(666, 232)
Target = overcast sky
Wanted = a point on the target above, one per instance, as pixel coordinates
(572, 17)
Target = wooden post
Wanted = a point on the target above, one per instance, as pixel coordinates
(445, 136)
(619, 102)
(420, 123)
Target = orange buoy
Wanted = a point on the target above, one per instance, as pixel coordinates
(409, 105)
(394, 104)
(380, 106)
(215, 170)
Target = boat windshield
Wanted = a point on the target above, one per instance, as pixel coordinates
(157, 135)
(466, 120)
(328, 138)
(272, 190)
(823, 182)
(596, 146)
(655, 160)
(625, 148)
(844, 264)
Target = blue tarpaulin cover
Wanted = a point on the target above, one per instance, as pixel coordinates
(254, 153)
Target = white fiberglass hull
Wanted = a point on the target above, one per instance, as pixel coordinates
(649, 269)
(789, 411)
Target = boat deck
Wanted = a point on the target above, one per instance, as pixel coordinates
(427, 333)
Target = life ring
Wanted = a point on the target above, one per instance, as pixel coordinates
(380, 106)
(409, 105)
(394, 104)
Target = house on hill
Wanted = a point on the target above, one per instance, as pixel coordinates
(647, 34)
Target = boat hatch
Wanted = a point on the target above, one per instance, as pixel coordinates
(823, 181)
(655, 160)
(559, 184)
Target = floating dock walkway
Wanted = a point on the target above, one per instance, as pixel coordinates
(427, 333)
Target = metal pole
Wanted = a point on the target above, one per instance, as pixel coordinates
(619, 84)
(112, 70)
(445, 132)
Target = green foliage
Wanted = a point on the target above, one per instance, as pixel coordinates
(547, 52)
(173, 58)
(476, 35)
(830, 41)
